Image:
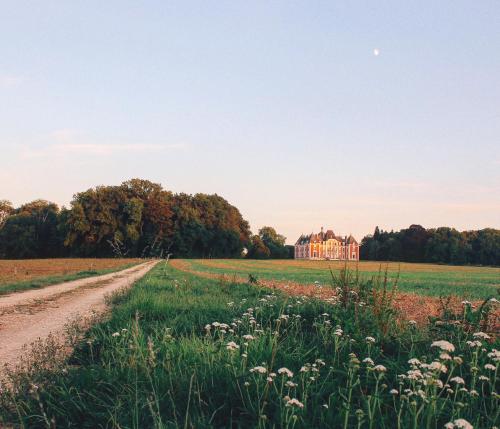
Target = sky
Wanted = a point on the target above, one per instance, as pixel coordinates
(303, 114)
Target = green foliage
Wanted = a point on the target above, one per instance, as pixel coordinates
(31, 231)
(268, 244)
(440, 245)
(181, 351)
(136, 218)
(258, 250)
(6, 210)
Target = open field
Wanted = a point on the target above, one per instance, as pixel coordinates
(425, 279)
(182, 351)
(16, 275)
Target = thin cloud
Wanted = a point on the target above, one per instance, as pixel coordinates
(66, 142)
(10, 81)
(109, 149)
(66, 149)
(401, 184)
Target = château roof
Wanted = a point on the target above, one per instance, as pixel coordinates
(323, 236)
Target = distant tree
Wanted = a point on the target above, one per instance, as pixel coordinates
(6, 210)
(486, 247)
(258, 249)
(440, 245)
(31, 231)
(413, 242)
(274, 242)
(208, 226)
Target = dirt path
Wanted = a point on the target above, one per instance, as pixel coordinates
(26, 317)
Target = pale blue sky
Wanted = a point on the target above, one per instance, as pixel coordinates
(280, 107)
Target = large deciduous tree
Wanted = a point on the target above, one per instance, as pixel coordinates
(31, 231)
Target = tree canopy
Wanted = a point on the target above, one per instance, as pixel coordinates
(136, 218)
(268, 244)
(438, 245)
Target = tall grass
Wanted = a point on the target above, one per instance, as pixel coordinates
(182, 352)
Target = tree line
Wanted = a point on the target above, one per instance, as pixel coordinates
(436, 245)
(141, 219)
(135, 219)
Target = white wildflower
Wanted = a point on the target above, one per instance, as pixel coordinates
(438, 366)
(414, 374)
(370, 340)
(294, 403)
(490, 367)
(285, 371)
(380, 368)
(462, 424)
(444, 345)
(368, 361)
(232, 346)
(458, 380)
(481, 335)
(259, 369)
(494, 355)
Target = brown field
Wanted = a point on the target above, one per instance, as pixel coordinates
(13, 271)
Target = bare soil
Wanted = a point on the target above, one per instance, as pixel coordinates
(31, 316)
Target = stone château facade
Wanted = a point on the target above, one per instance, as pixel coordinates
(328, 246)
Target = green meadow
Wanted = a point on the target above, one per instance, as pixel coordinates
(181, 351)
(426, 279)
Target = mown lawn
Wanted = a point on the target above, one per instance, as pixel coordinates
(426, 279)
(184, 351)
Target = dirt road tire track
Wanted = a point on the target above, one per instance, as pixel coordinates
(53, 307)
